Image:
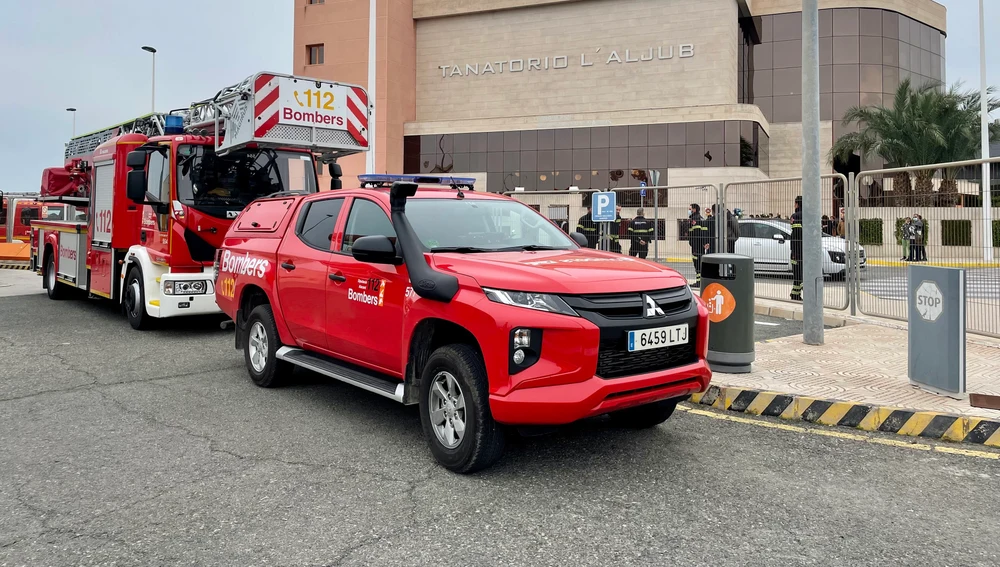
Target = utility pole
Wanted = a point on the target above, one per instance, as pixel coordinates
(73, 112)
(372, 125)
(984, 110)
(812, 246)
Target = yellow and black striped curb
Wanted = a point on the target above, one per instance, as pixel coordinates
(867, 417)
(4, 266)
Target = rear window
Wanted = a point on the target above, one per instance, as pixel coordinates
(264, 216)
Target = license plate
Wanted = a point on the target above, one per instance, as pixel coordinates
(659, 337)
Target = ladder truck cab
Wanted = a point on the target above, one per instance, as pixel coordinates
(161, 191)
(17, 210)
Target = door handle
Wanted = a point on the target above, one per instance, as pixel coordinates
(288, 265)
(339, 278)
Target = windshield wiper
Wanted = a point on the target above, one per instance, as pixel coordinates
(531, 248)
(462, 249)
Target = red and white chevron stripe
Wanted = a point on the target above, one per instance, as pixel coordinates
(357, 115)
(266, 104)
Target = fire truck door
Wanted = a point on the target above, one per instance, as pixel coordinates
(102, 226)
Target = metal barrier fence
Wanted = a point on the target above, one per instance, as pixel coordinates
(764, 210)
(929, 215)
(665, 210)
(875, 225)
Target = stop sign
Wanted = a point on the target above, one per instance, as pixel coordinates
(929, 300)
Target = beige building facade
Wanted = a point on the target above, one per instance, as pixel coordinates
(549, 94)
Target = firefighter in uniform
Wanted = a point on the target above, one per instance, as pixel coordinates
(697, 238)
(614, 232)
(640, 232)
(797, 251)
(588, 228)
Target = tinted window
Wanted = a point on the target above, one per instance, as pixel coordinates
(320, 217)
(746, 230)
(367, 219)
(767, 231)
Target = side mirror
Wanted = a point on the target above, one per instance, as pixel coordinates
(375, 249)
(336, 173)
(135, 188)
(779, 237)
(580, 239)
(136, 160)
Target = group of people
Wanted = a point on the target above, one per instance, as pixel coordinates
(911, 236)
(701, 235)
(640, 232)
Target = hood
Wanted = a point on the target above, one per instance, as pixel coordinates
(834, 244)
(577, 271)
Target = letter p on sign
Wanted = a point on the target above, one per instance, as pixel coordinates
(603, 207)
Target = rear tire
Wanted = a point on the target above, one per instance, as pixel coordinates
(455, 411)
(260, 349)
(53, 287)
(646, 416)
(134, 301)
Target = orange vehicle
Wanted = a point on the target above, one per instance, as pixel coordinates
(16, 213)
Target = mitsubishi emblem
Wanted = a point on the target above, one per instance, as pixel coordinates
(652, 309)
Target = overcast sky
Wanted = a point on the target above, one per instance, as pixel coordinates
(86, 54)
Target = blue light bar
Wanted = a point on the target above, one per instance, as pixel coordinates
(376, 179)
(173, 124)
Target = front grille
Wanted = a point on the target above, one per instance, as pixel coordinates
(615, 361)
(618, 313)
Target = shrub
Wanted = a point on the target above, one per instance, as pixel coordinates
(956, 233)
(996, 234)
(870, 232)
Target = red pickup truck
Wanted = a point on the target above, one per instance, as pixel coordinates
(472, 306)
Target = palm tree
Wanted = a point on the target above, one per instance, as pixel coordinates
(925, 126)
(960, 120)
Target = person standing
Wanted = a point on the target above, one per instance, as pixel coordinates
(588, 228)
(732, 231)
(797, 251)
(921, 237)
(640, 232)
(614, 232)
(698, 239)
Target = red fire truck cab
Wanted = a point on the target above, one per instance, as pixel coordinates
(471, 305)
(161, 191)
(16, 213)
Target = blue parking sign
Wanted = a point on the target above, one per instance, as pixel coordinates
(603, 207)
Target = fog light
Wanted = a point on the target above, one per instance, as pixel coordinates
(518, 356)
(522, 339)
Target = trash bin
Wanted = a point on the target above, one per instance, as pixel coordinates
(727, 289)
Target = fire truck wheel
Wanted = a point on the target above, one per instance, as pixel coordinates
(53, 287)
(134, 301)
(644, 417)
(260, 349)
(455, 410)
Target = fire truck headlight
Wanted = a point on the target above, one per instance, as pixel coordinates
(197, 287)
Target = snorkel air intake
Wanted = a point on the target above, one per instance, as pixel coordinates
(426, 281)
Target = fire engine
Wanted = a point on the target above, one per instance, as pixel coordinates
(17, 210)
(160, 191)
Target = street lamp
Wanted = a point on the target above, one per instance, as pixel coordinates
(73, 110)
(984, 110)
(153, 51)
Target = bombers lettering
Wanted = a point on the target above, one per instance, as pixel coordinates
(361, 297)
(315, 117)
(245, 265)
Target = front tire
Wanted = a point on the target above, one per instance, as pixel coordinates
(53, 287)
(260, 349)
(646, 416)
(455, 411)
(134, 301)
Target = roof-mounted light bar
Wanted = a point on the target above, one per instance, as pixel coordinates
(383, 180)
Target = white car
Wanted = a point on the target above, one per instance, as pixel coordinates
(768, 242)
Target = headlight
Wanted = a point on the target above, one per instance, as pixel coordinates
(836, 257)
(529, 300)
(197, 287)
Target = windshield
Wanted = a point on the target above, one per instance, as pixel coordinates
(474, 225)
(220, 184)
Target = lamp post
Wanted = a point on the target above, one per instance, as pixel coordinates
(73, 111)
(372, 20)
(153, 51)
(984, 110)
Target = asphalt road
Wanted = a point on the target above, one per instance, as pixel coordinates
(154, 448)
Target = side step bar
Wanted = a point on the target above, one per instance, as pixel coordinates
(353, 375)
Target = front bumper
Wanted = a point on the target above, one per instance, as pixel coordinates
(566, 403)
(185, 305)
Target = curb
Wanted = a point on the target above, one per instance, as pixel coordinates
(902, 264)
(793, 314)
(4, 266)
(866, 417)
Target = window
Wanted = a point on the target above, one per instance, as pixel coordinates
(766, 231)
(314, 53)
(747, 230)
(317, 222)
(367, 219)
(158, 183)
